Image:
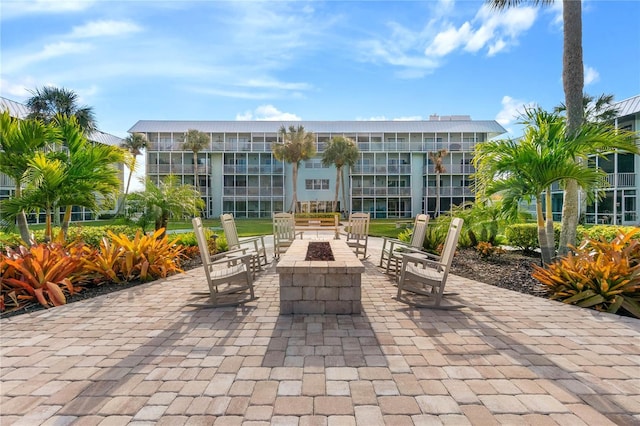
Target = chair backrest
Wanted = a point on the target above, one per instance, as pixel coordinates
(198, 229)
(419, 230)
(284, 226)
(358, 225)
(451, 243)
(230, 231)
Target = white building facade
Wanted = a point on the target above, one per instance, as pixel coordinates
(393, 177)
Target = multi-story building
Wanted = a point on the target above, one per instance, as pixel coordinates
(619, 205)
(8, 186)
(393, 177)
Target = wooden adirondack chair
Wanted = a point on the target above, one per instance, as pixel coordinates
(357, 232)
(254, 246)
(284, 232)
(392, 248)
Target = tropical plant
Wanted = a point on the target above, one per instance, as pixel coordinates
(526, 168)
(48, 101)
(436, 157)
(19, 141)
(195, 141)
(133, 143)
(43, 272)
(145, 257)
(573, 84)
(166, 199)
(599, 109)
(599, 274)
(340, 152)
(297, 145)
(92, 179)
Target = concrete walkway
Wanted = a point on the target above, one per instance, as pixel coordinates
(140, 356)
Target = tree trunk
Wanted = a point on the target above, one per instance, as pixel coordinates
(551, 236)
(48, 230)
(23, 225)
(436, 213)
(542, 234)
(195, 171)
(573, 83)
(64, 228)
(335, 198)
(294, 202)
(344, 194)
(126, 190)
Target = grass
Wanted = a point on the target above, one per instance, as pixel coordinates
(246, 227)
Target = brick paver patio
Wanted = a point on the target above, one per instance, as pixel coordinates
(141, 356)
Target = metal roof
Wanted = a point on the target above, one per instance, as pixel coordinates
(16, 109)
(628, 106)
(426, 126)
(20, 111)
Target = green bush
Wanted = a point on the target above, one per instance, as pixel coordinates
(90, 235)
(608, 232)
(306, 215)
(525, 235)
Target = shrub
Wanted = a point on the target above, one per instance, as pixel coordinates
(487, 250)
(405, 235)
(45, 273)
(525, 235)
(599, 274)
(608, 232)
(90, 235)
(145, 257)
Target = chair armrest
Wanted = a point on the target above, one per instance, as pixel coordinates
(233, 256)
(422, 258)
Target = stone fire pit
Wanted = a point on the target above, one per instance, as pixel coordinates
(319, 286)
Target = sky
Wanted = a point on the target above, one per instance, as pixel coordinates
(309, 60)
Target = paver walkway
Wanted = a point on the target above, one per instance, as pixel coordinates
(140, 356)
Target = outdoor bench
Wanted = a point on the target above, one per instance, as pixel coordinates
(318, 224)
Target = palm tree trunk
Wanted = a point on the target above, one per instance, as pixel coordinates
(195, 170)
(542, 234)
(551, 236)
(48, 230)
(64, 228)
(335, 198)
(126, 190)
(23, 225)
(344, 194)
(294, 202)
(573, 83)
(437, 211)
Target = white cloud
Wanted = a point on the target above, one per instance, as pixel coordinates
(267, 113)
(49, 51)
(490, 29)
(104, 28)
(591, 75)
(511, 110)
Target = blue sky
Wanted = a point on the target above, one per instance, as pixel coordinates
(310, 60)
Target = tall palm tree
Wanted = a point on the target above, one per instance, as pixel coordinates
(19, 141)
(49, 101)
(340, 152)
(195, 141)
(438, 167)
(297, 145)
(526, 168)
(573, 84)
(133, 143)
(167, 199)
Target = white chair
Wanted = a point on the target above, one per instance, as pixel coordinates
(392, 248)
(284, 232)
(229, 277)
(425, 275)
(254, 246)
(357, 232)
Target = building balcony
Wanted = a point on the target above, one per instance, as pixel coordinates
(448, 191)
(621, 180)
(458, 169)
(403, 169)
(252, 191)
(179, 169)
(380, 192)
(243, 169)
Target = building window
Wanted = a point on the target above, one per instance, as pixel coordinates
(316, 184)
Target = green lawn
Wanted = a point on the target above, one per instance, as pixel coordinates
(250, 227)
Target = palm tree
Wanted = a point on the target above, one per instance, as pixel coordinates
(19, 141)
(133, 143)
(297, 145)
(573, 84)
(195, 141)
(438, 166)
(526, 168)
(340, 152)
(91, 172)
(167, 199)
(49, 101)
